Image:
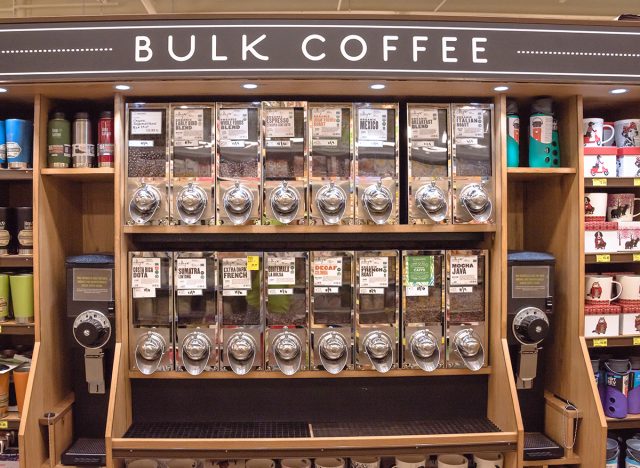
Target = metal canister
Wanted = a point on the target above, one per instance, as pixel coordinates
(24, 230)
(59, 141)
(3, 146)
(19, 141)
(83, 151)
(6, 230)
(617, 389)
(105, 139)
(612, 453)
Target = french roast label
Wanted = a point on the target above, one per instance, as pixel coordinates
(145, 273)
(372, 124)
(191, 273)
(463, 270)
(279, 123)
(420, 275)
(327, 271)
(326, 122)
(424, 124)
(530, 281)
(234, 124)
(281, 271)
(92, 284)
(188, 127)
(235, 274)
(469, 123)
(374, 272)
(146, 123)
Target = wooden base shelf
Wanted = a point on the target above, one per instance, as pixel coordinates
(573, 460)
(16, 174)
(81, 174)
(521, 174)
(613, 341)
(16, 261)
(10, 327)
(622, 257)
(11, 422)
(612, 182)
(632, 421)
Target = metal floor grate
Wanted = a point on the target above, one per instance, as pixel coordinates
(219, 430)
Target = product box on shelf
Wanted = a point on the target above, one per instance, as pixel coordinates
(601, 320)
(600, 161)
(629, 236)
(600, 237)
(630, 318)
(628, 161)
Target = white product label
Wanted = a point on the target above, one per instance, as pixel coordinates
(370, 144)
(3, 151)
(466, 141)
(325, 290)
(145, 272)
(280, 291)
(514, 127)
(83, 149)
(279, 123)
(141, 293)
(191, 273)
(188, 127)
(541, 128)
(461, 289)
(278, 144)
(412, 291)
(330, 143)
(371, 290)
(469, 123)
(13, 150)
(326, 122)
(234, 292)
(140, 143)
(235, 274)
(281, 270)
(232, 143)
(372, 124)
(327, 271)
(234, 124)
(146, 123)
(189, 292)
(424, 124)
(464, 270)
(374, 272)
(424, 144)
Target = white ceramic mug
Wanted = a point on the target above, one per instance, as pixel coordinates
(411, 461)
(620, 207)
(627, 132)
(595, 205)
(329, 463)
(452, 460)
(184, 463)
(365, 462)
(630, 287)
(593, 132)
(599, 288)
(260, 463)
(489, 460)
(609, 133)
(227, 463)
(295, 463)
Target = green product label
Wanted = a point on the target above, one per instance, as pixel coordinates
(420, 271)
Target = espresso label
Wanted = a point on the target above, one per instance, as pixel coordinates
(279, 123)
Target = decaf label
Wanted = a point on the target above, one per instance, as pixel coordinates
(372, 124)
(235, 274)
(281, 270)
(146, 123)
(234, 124)
(279, 123)
(326, 122)
(188, 127)
(469, 123)
(424, 124)
(530, 281)
(191, 273)
(463, 270)
(92, 284)
(374, 272)
(145, 273)
(327, 271)
(420, 275)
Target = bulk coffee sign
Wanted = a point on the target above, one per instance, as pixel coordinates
(318, 49)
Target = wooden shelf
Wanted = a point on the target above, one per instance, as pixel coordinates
(622, 257)
(16, 261)
(81, 174)
(630, 422)
(310, 374)
(12, 421)
(614, 341)
(574, 460)
(535, 173)
(10, 327)
(16, 174)
(613, 182)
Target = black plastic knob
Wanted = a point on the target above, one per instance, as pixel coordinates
(532, 329)
(90, 332)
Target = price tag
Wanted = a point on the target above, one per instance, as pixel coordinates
(332, 143)
(141, 293)
(603, 258)
(417, 291)
(636, 257)
(234, 292)
(4, 424)
(0, 329)
(460, 289)
(325, 290)
(278, 144)
(636, 182)
(189, 292)
(636, 340)
(371, 290)
(253, 263)
(280, 291)
(599, 182)
(600, 342)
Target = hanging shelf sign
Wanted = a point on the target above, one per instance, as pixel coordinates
(303, 47)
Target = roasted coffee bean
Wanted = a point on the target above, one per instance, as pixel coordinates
(147, 162)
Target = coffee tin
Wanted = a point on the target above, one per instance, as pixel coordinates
(24, 230)
(6, 229)
(83, 152)
(3, 146)
(105, 139)
(19, 143)
(59, 141)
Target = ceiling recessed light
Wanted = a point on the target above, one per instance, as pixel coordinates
(249, 86)
(3, 90)
(123, 87)
(501, 88)
(377, 86)
(618, 91)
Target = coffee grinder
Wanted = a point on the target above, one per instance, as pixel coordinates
(467, 309)
(377, 165)
(286, 276)
(331, 316)
(423, 290)
(192, 164)
(429, 165)
(285, 162)
(91, 338)
(147, 147)
(238, 163)
(241, 312)
(473, 163)
(330, 164)
(151, 343)
(196, 320)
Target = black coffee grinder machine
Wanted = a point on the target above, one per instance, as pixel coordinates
(91, 338)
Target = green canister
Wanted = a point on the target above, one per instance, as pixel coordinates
(59, 141)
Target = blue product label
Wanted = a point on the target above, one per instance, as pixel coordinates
(612, 463)
(629, 463)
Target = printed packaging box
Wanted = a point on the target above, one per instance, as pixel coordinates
(601, 237)
(600, 162)
(601, 321)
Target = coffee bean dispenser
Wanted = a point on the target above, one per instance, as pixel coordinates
(239, 163)
(151, 345)
(240, 308)
(147, 146)
(377, 306)
(196, 327)
(377, 165)
(473, 163)
(285, 162)
(467, 305)
(192, 164)
(423, 309)
(429, 187)
(331, 317)
(331, 164)
(287, 311)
